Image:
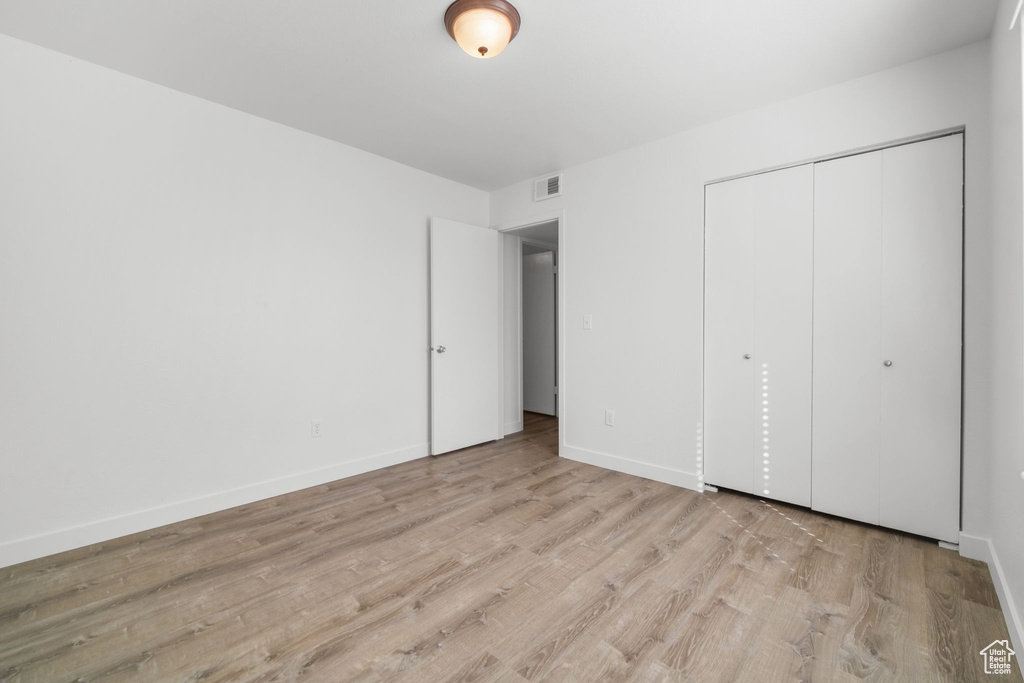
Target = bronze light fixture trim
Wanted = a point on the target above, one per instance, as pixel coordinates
(482, 28)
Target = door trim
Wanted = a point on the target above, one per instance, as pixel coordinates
(945, 132)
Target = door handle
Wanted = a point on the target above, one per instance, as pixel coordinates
(887, 363)
(746, 356)
(439, 349)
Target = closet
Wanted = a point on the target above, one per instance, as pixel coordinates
(860, 415)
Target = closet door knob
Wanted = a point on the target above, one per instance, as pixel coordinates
(887, 363)
(747, 356)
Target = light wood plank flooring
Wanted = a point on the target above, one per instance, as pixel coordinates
(501, 563)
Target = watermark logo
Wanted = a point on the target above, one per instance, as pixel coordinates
(998, 658)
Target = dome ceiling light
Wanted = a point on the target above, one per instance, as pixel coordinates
(482, 28)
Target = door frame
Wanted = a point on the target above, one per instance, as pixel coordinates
(560, 403)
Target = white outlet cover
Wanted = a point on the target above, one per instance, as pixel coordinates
(314, 428)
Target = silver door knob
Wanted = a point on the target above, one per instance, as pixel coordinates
(440, 349)
(747, 356)
(887, 363)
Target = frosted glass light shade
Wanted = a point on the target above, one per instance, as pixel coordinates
(482, 33)
(482, 28)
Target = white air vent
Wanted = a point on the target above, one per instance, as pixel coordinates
(547, 187)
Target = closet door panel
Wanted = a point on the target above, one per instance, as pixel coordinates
(784, 245)
(729, 333)
(847, 309)
(921, 336)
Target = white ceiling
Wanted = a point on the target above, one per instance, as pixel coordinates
(529, 249)
(540, 232)
(583, 79)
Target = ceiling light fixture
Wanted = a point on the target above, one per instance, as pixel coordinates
(482, 28)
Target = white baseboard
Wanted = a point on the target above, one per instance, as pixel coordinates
(975, 548)
(978, 548)
(513, 427)
(666, 475)
(24, 549)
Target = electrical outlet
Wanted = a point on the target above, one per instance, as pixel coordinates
(609, 418)
(314, 428)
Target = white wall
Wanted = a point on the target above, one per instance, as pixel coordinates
(183, 287)
(1007, 489)
(632, 254)
(539, 332)
(512, 289)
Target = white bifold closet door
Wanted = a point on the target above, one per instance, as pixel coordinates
(847, 345)
(888, 250)
(757, 347)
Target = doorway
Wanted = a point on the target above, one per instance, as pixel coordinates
(533, 360)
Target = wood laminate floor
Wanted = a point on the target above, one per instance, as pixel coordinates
(501, 563)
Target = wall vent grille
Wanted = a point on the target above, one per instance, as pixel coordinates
(547, 187)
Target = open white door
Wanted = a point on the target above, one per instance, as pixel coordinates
(465, 336)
